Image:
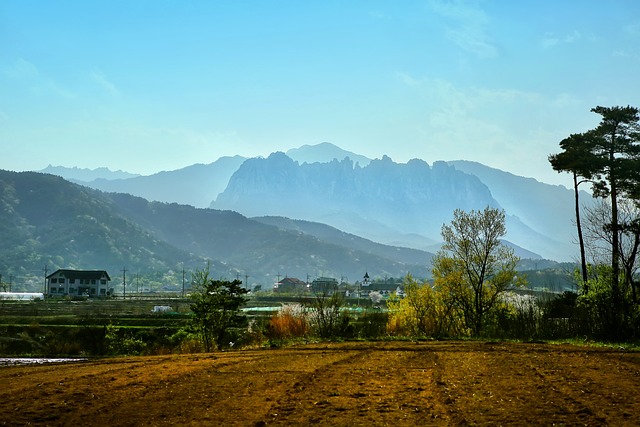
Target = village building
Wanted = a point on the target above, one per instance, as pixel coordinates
(324, 285)
(384, 288)
(91, 283)
(290, 285)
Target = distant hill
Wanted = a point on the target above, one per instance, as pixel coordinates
(262, 250)
(86, 175)
(332, 235)
(323, 153)
(195, 185)
(548, 209)
(46, 220)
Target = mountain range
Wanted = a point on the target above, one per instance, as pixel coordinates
(403, 205)
(48, 221)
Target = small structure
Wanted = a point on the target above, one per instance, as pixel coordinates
(90, 283)
(384, 288)
(290, 285)
(324, 285)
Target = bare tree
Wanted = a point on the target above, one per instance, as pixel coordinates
(600, 236)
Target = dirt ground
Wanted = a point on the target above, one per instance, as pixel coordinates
(354, 384)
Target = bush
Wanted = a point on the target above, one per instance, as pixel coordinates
(122, 341)
(372, 324)
(291, 321)
(327, 316)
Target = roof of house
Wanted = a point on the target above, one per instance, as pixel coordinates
(291, 281)
(382, 286)
(81, 274)
(325, 280)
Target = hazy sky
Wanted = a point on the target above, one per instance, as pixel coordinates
(146, 86)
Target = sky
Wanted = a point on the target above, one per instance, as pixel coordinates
(145, 86)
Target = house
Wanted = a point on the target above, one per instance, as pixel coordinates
(324, 285)
(384, 288)
(92, 283)
(290, 285)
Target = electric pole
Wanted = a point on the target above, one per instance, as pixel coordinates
(124, 282)
(10, 281)
(182, 280)
(46, 270)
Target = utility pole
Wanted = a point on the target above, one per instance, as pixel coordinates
(182, 280)
(124, 282)
(10, 281)
(246, 281)
(46, 270)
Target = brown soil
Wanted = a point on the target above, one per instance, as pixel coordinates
(354, 384)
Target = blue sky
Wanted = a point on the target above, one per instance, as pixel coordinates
(146, 86)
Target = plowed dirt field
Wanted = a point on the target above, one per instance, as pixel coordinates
(350, 384)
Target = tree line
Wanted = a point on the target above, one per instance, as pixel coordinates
(608, 158)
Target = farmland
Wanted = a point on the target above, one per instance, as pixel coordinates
(351, 383)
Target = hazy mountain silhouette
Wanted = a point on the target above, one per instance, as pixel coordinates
(324, 153)
(86, 175)
(194, 185)
(386, 201)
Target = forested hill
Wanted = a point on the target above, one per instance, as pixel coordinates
(47, 221)
(262, 250)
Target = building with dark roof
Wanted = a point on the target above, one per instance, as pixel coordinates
(290, 285)
(91, 283)
(324, 285)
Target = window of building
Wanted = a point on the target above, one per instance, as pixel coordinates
(54, 280)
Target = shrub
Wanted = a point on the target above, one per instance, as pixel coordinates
(328, 318)
(372, 324)
(291, 321)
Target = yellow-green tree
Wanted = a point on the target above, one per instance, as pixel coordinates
(474, 268)
(421, 311)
